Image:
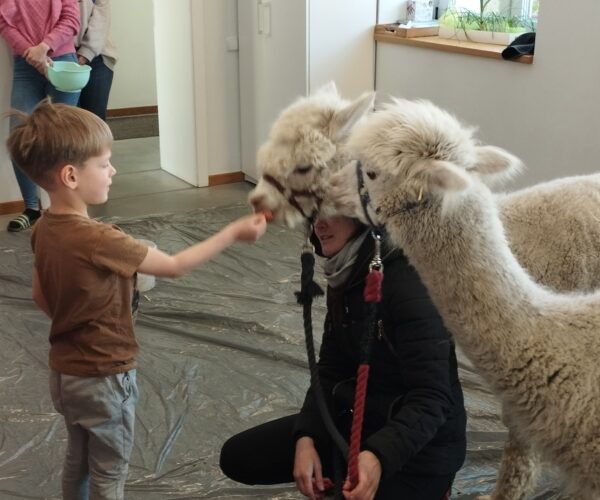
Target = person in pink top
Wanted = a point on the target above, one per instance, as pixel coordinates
(37, 32)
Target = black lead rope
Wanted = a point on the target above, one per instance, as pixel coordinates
(308, 290)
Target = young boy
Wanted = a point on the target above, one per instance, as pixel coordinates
(84, 280)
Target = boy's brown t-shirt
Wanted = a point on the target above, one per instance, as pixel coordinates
(87, 276)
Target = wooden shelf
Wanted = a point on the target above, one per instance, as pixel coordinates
(448, 45)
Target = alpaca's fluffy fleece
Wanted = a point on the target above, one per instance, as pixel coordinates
(556, 239)
(538, 349)
(304, 146)
(554, 231)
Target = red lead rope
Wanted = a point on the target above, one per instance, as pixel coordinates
(357, 422)
(372, 294)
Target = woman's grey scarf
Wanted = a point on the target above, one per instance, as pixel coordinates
(339, 266)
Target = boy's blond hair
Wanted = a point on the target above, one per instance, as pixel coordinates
(55, 135)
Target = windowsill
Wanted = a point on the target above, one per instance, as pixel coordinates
(448, 45)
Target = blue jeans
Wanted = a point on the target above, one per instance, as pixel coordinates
(29, 87)
(99, 414)
(94, 96)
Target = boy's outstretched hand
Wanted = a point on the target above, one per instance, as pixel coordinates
(249, 228)
(157, 263)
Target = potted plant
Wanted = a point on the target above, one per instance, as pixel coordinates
(482, 26)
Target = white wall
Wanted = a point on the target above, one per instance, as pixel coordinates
(222, 87)
(547, 113)
(391, 11)
(9, 190)
(132, 31)
(175, 79)
(199, 115)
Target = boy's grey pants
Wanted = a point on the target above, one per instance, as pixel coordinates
(99, 414)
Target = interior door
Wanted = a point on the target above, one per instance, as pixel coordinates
(273, 67)
(249, 66)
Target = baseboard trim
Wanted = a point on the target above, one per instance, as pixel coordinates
(16, 207)
(140, 110)
(228, 178)
(12, 207)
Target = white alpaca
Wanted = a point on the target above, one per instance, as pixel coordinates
(538, 349)
(553, 228)
(549, 232)
(305, 146)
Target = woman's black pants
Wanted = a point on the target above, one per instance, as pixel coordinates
(265, 455)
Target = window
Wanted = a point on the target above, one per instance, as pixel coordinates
(521, 8)
(531, 8)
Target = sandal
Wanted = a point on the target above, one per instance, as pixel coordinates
(23, 221)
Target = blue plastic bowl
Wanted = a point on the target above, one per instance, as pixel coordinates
(68, 76)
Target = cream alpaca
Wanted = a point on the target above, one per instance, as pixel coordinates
(538, 349)
(557, 241)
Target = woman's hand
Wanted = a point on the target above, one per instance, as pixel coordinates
(369, 475)
(82, 59)
(307, 467)
(37, 56)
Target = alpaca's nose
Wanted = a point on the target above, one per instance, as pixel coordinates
(257, 203)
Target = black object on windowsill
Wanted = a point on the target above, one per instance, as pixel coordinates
(520, 46)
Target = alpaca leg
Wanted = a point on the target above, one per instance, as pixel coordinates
(517, 471)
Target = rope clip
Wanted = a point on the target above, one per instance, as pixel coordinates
(308, 247)
(376, 263)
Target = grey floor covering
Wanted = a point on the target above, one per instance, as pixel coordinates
(221, 350)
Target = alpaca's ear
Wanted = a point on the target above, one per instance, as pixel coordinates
(345, 119)
(444, 176)
(328, 89)
(496, 162)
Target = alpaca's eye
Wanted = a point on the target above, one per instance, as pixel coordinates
(303, 169)
(371, 175)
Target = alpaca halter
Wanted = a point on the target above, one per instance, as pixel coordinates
(365, 198)
(292, 195)
(365, 201)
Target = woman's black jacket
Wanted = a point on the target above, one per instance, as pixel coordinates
(414, 416)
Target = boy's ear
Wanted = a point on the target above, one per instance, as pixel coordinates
(67, 176)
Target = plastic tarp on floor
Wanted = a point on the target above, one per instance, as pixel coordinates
(222, 349)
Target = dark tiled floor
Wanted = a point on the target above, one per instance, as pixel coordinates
(136, 155)
(141, 187)
(172, 201)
